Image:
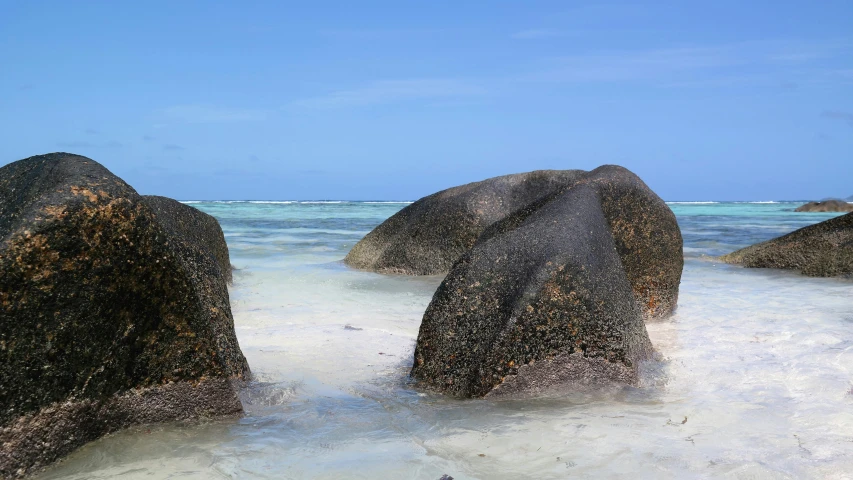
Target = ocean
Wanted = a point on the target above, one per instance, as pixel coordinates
(755, 378)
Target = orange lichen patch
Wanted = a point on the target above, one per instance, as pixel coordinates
(91, 196)
(56, 211)
(653, 303)
(552, 290)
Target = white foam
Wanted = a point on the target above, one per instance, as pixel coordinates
(756, 380)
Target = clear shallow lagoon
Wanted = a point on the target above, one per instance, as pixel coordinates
(757, 380)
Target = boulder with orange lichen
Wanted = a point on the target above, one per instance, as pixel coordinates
(824, 249)
(110, 315)
(555, 294)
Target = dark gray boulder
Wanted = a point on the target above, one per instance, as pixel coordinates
(193, 226)
(110, 314)
(555, 293)
(824, 249)
(826, 206)
(426, 237)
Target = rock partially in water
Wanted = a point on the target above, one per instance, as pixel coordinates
(556, 293)
(113, 311)
(426, 237)
(824, 249)
(826, 206)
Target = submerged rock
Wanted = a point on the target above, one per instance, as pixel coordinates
(826, 206)
(555, 293)
(824, 249)
(426, 237)
(114, 311)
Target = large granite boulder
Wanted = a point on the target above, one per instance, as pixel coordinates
(556, 293)
(113, 311)
(826, 206)
(824, 249)
(426, 237)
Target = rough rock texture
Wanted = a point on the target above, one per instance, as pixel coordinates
(824, 249)
(191, 225)
(556, 293)
(826, 206)
(109, 314)
(426, 237)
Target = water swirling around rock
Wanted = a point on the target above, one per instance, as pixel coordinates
(754, 382)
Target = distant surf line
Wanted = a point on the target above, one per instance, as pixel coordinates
(755, 202)
(408, 202)
(301, 202)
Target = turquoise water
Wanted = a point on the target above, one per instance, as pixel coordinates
(756, 379)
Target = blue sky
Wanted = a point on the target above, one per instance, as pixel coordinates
(394, 100)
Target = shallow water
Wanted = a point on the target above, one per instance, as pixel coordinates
(756, 379)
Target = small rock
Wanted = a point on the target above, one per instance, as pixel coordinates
(826, 206)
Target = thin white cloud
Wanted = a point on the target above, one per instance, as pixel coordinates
(797, 57)
(387, 91)
(750, 63)
(781, 64)
(76, 144)
(380, 33)
(844, 74)
(633, 65)
(537, 33)
(836, 115)
(213, 114)
(84, 144)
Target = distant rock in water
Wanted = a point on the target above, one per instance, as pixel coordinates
(114, 311)
(824, 249)
(426, 237)
(555, 293)
(826, 206)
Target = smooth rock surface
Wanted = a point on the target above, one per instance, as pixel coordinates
(826, 206)
(556, 293)
(824, 249)
(111, 312)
